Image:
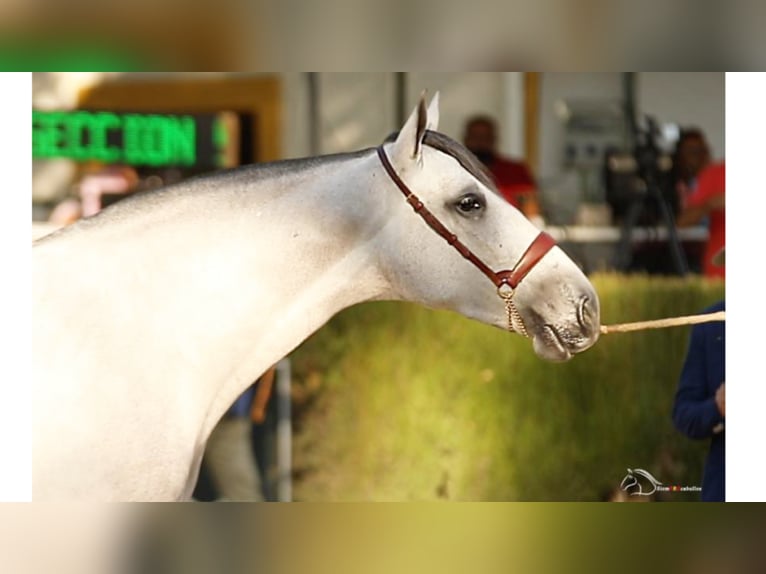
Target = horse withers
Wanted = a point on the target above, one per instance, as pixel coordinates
(151, 317)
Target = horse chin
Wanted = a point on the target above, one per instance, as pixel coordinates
(548, 346)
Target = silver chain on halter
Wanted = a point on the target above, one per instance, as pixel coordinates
(514, 317)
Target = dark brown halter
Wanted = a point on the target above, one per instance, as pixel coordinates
(507, 280)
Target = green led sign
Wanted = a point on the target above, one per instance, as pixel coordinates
(153, 140)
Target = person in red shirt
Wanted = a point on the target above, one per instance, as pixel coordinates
(513, 179)
(708, 200)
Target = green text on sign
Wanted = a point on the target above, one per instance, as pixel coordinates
(133, 139)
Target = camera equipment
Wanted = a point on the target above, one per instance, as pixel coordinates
(640, 191)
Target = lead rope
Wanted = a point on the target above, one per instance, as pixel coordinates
(662, 323)
(514, 319)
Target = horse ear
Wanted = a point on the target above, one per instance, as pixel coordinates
(410, 140)
(433, 113)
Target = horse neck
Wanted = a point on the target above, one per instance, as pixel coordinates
(301, 258)
(238, 276)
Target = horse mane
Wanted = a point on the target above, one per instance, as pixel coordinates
(147, 200)
(242, 177)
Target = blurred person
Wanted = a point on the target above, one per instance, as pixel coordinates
(707, 205)
(229, 454)
(690, 156)
(92, 191)
(107, 181)
(513, 178)
(699, 406)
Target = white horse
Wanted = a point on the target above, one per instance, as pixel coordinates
(151, 317)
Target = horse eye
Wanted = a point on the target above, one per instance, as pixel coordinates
(469, 203)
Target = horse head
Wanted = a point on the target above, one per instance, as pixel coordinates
(554, 304)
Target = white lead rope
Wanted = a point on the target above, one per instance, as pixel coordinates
(662, 323)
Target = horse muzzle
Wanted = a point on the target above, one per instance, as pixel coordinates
(560, 338)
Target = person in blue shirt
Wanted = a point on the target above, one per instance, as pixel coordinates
(699, 407)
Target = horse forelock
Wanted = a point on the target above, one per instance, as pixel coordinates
(459, 152)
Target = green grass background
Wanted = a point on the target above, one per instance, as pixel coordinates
(397, 402)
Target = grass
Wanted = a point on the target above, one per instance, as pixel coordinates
(396, 402)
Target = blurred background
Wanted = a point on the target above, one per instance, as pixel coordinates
(565, 127)
(424, 34)
(378, 538)
(374, 406)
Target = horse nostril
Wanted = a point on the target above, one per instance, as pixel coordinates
(585, 314)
